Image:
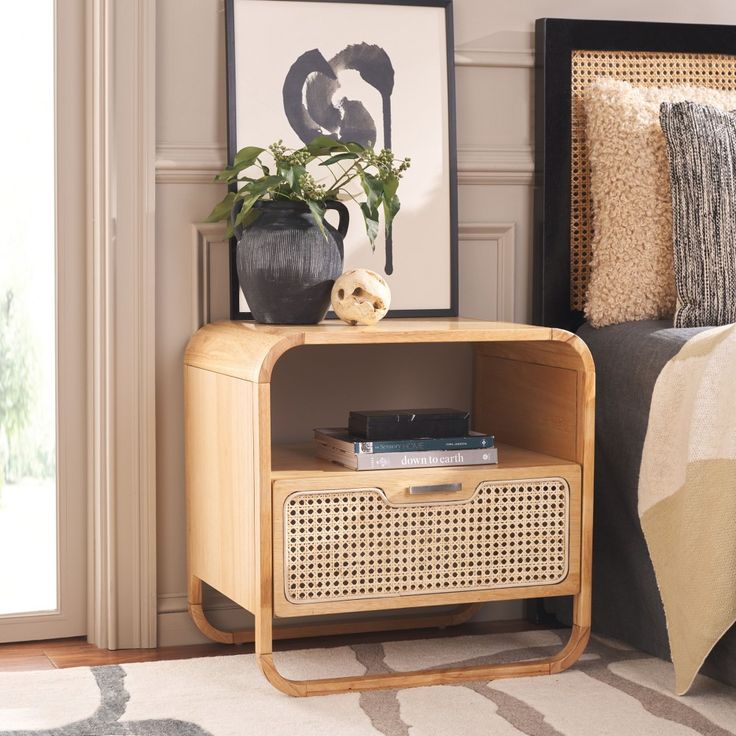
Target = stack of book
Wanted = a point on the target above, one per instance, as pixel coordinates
(381, 443)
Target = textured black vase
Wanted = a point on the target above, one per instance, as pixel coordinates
(286, 265)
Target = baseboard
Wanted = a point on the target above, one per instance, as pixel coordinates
(175, 626)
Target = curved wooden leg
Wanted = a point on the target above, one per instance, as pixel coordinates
(570, 653)
(200, 619)
(566, 657)
(559, 662)
(457, 616)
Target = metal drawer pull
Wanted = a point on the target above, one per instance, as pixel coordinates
(436, 488)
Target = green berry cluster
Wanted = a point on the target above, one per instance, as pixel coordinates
(283, 155)
(278, 150)
(387, 165)
(311, 189)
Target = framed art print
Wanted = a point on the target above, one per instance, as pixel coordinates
(377, 73)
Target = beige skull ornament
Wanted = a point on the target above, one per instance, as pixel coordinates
(360, 297)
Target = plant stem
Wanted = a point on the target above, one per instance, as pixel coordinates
(339, 181)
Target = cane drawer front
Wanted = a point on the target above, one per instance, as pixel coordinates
(356, 548)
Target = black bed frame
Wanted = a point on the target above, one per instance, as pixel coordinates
(556, 39)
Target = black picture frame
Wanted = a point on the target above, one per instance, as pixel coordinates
(232, 146)
(555, 41)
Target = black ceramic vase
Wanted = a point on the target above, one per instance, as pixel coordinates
(286, 265)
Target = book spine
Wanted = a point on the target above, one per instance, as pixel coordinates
(422, 445)
(348, 459)
(428, 459)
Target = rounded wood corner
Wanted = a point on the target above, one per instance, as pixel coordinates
(571, 652)
(274, 354)
(211, 632)
(240, 349)
(295, 688)
(577, 344)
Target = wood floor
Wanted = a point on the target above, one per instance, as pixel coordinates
(60, 653)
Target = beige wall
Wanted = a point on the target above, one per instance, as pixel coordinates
(494, 112)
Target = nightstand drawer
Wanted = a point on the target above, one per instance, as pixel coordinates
(379, 546)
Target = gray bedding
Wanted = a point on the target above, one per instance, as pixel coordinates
(626, 602)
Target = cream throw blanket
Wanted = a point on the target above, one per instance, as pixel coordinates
(687, 496)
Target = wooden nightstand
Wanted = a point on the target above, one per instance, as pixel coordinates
(284, 534)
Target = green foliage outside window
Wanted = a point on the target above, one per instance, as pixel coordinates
(17, 370)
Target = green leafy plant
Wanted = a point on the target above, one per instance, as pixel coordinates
(16, 371)
(284, 174)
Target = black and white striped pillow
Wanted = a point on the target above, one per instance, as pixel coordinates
(701, 147)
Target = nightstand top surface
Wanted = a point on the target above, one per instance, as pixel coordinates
(249, 350)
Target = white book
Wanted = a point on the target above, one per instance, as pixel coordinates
(408, 460)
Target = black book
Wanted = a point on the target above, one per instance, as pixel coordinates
(400, 424)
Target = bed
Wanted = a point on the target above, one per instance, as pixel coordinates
(628, 356)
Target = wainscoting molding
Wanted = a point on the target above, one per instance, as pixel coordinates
(495, 165)
(210, 254)
(189, 163)
(172, 602)
(198, 163)
(495, 58)
(487, 248)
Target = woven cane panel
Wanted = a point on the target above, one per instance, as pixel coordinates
(643, 69)
(353, 544)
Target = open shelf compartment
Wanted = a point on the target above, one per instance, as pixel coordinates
(289, 462)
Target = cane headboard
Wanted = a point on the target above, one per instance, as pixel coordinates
(569, 55)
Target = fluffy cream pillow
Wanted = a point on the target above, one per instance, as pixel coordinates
(632, 275)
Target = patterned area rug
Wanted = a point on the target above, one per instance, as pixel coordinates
(612, 690)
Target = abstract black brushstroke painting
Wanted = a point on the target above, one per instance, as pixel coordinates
(379, 73)
(311, 95)
(313, 104)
